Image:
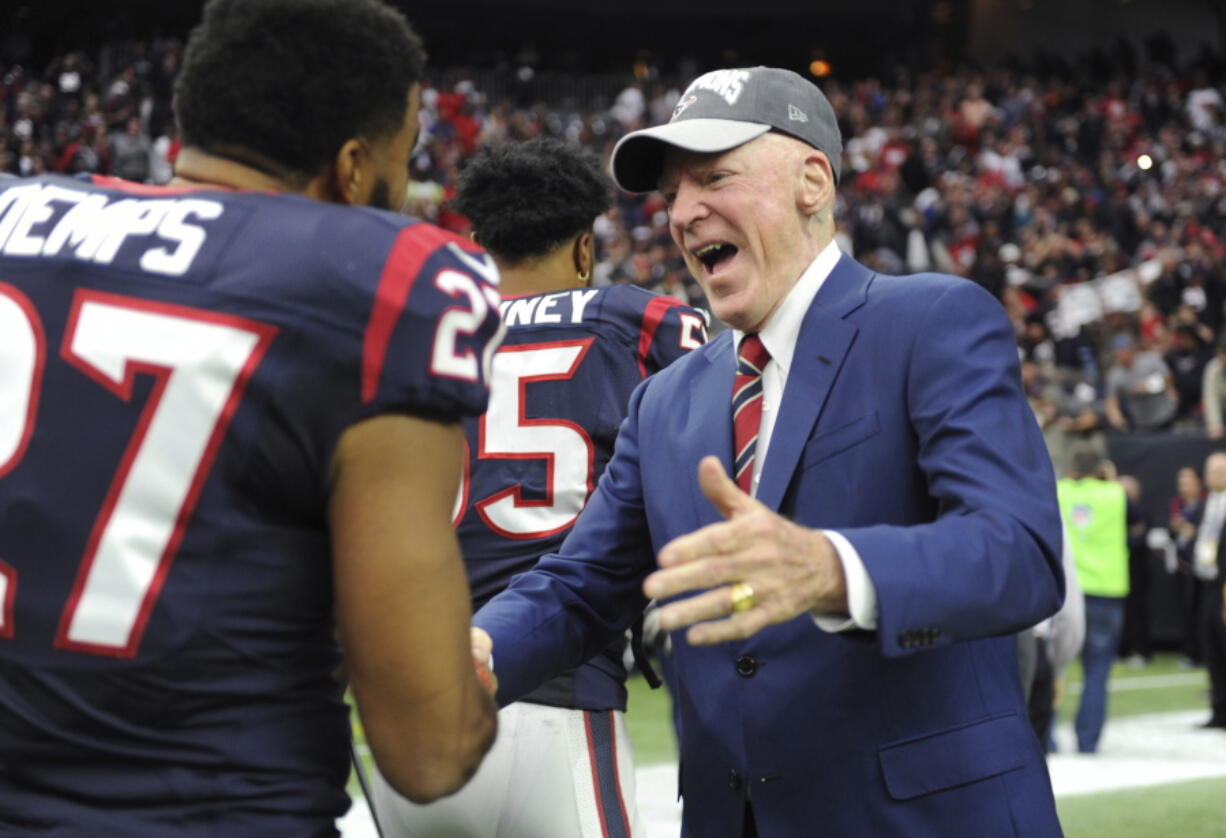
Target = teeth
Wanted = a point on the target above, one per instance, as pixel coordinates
(707, 249)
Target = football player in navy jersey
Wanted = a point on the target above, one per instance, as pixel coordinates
(230, 430)
(562, 765)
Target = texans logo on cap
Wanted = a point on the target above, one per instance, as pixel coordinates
(723, 109)
(683, 104)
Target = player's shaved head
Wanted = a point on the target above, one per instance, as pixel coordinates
(284, 83)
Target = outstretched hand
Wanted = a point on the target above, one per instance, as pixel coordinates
(791, 569)
(483, 650)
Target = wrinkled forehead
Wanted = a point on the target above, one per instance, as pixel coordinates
(771, 154)
(677, 162)
(680, 162)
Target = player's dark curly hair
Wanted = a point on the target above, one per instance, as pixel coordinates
(287, 82)
(524, 199)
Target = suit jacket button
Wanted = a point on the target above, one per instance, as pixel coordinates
(746, 666)
(905, 639)
(734, 780)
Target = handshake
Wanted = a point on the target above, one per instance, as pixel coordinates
(483, 659)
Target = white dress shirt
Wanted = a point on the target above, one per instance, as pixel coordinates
(779, 336)
(1208, 534)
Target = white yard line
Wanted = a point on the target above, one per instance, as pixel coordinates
(1152, 682)
(1139, 751)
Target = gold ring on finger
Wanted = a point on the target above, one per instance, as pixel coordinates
(742, 597)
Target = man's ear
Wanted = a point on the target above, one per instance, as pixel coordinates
(817, 183)
(583, 256)
(352, 176)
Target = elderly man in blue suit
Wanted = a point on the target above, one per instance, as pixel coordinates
(842, 605)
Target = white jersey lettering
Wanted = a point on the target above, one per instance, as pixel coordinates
(518, 311)
(543, 312)
(578, 303)
(727, 84)
(53, 221)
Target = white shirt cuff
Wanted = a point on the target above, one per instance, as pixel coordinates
(861, 595)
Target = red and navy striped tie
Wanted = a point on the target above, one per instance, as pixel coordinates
(751, 359)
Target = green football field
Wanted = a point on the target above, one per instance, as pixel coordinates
(1180, 810)
(1192, 809)
(1172, 689)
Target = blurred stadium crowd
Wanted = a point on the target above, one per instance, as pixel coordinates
(1089, 199)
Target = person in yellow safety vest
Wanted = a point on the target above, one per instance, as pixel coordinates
(1095, 512)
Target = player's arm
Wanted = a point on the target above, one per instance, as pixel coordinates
(403, 603)
(674, 329)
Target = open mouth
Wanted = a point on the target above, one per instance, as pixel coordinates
(714, 255)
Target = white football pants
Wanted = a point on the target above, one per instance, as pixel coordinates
(553, 772)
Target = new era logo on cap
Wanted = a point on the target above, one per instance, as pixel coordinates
(723, 109)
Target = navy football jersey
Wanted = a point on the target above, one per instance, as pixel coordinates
(561, 383)
(176, 367)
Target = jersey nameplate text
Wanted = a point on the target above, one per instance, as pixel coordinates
(53, 221)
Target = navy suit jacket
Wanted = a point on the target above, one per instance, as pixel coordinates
(903, 427)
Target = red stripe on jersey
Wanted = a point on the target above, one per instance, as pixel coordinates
(9, 574)
(409, 252)
(653, 316)
(617, 782)
(595, 766)
(153, 190)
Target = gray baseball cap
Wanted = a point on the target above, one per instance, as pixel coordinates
(723, 109)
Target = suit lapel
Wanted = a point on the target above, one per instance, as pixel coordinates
(821, 347)
(708, 426)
